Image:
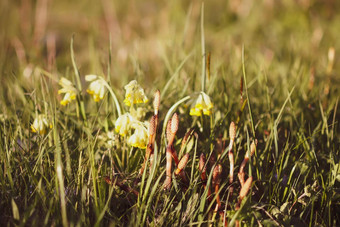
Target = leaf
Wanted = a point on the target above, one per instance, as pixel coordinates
(190, 144)
(284, 207)
(268, 222)
(15, 210)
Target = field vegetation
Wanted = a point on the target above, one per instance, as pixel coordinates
(174, 113)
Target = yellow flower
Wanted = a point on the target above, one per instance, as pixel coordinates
(96, 87)
(134, 94)
(122, 125)
(140, 137)
(40, 124)
(204, 104)
(69, 90)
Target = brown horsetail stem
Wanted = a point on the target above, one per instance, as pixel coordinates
(232, 134)
(167, 183)
(169, 135)
(150, 146)
(216, 183)
(152, 136)
(157, 102)
(121, 186)
(232, 131)
(174, 123)
(182, 163)
(186, 137)
(245, 160)
(203, 169)
(171, 131)
(244, 191)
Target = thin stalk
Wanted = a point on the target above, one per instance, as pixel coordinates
(59, 175)
(76, 72)
(246, 88)
(114, 98)
(203, 49)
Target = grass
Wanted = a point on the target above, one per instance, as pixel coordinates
(270, 71)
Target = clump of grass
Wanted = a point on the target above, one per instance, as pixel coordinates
(270, 88)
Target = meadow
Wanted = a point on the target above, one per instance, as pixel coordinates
(174, 113)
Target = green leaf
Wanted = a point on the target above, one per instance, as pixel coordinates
(15, 210)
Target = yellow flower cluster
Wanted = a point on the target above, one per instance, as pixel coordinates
(123, 126)
(129, 121)
(96, 87)
(134, 94)
(140, 136)
(202, 104)
(68, 89)
(40, 124)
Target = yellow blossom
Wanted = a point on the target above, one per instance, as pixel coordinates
(69, 90)
(40, 124)
(122, 125)
(140, 136)
(96, 87)
(134, 94)
(202, 103)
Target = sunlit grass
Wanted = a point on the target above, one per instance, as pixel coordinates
(72, 151)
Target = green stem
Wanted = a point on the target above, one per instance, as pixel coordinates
(203, 48)
(114, 97)
(81, 102)
(59, 175)
(246, 88)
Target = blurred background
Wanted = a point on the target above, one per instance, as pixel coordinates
(148, 39)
